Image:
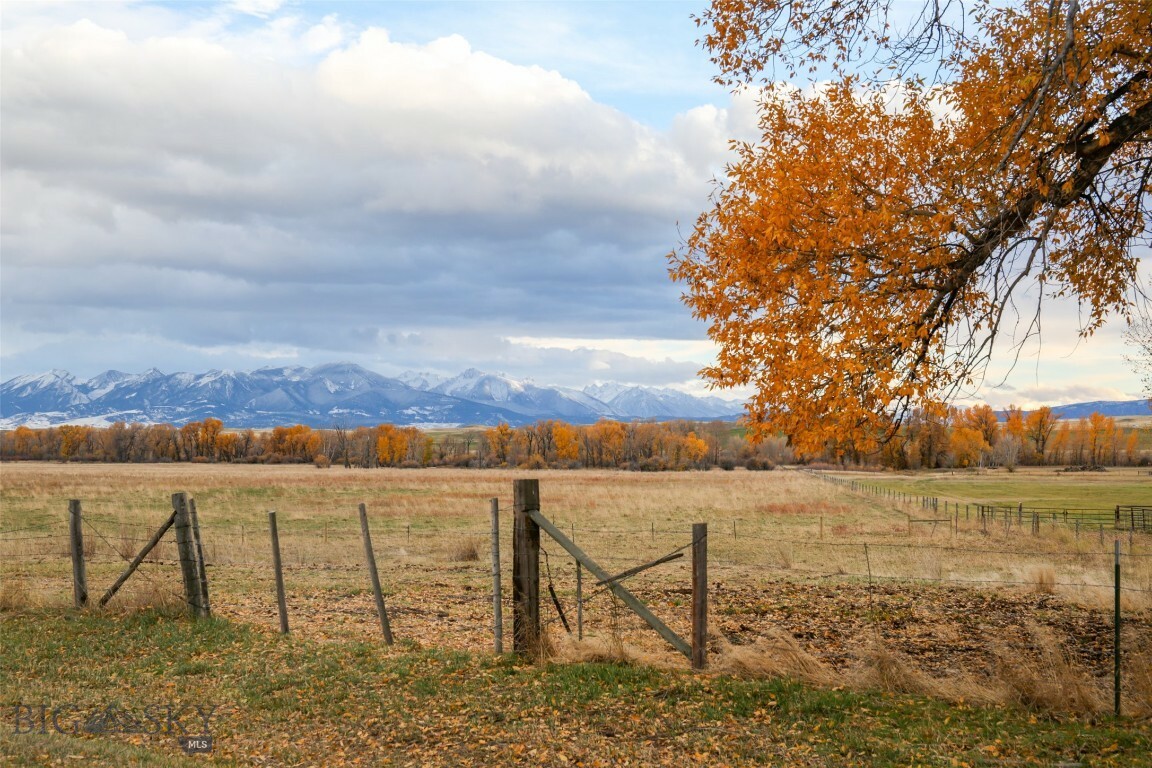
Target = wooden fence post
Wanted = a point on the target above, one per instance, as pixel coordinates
(579, 592)
(205, 605)
(699, 595)
(525, 568)
(76, 537)
(189, 568)
(579, 601)
(497, 608)
(281, 601)
(385, 625)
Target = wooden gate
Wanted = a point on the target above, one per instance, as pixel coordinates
(528, 523)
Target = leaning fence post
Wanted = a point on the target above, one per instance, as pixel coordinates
(385, 626)
(281, 603)
(579, 601)
(76, 536)
(189, 568)
(579, 592)
(205, 604)
(699, 595)
(497, 608)
(525, 568)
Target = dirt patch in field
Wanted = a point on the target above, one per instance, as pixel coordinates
(942, 632)
(946, 630)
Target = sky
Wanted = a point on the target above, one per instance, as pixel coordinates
(410, 186)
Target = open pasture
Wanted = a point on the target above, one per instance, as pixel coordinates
(807, 580)
(1051, 487)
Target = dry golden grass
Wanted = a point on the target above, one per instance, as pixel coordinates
(1041, 677)
(1137, 674)
(598, 650)
(18, 592)
(146, 595)
(15, 595)
(775, 654)
(889, 670)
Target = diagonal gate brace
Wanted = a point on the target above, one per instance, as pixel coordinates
(611, 582)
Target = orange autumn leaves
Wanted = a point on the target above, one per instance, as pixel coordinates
(857, 259)
(816, 244)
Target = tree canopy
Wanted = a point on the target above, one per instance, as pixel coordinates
(861, 258)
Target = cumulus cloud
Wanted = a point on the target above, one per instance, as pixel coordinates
(327, 34)
(310, 187)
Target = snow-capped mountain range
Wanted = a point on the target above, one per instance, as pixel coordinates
(336, 394)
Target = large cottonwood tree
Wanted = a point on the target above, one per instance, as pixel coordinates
(862, 257)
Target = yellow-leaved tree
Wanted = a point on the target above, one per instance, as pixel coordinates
(860, 259)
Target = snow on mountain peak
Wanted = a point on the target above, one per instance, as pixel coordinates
(213, 375)
(420, 379)
(606, 391)
(477, 385)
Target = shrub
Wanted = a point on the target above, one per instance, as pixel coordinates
(535, 461)
(466, 550)
(1044, 580)
(321, 461)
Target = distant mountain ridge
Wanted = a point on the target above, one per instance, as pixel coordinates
(349, 395)
(336, 393)
(1104, 408)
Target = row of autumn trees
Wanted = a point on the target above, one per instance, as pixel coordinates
(636, 445)
(970, 437)
(929, 438)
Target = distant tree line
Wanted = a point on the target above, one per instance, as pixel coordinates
(933, 438)
(644, 446)
(928, 439)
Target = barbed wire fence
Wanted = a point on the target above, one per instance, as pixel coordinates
(334, 545)
(438, 578)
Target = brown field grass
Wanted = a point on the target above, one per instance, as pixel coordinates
(806, 579)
